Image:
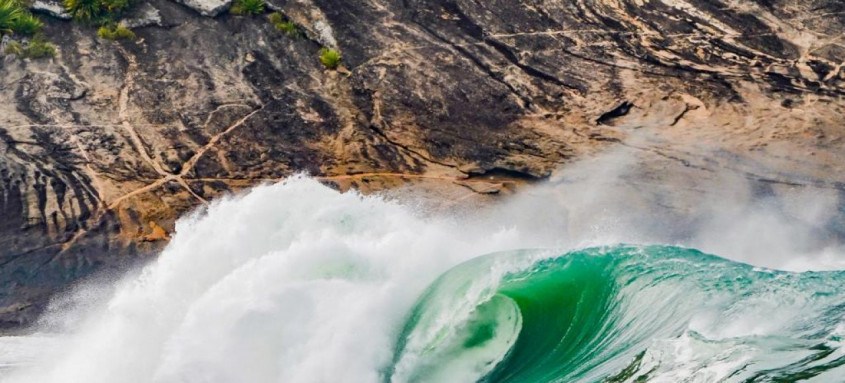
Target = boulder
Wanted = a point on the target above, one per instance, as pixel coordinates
(53, 8)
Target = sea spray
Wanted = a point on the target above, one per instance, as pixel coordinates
(292, 282)
(296, 282)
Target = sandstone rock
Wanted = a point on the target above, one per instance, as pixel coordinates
(157, 233)
(482, 187)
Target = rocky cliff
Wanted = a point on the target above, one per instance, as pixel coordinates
(104, 146)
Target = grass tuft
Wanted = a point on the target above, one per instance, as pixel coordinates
(84, 10)
(115, 32)
(14, 48)
(276, 18)
(37, 48)
(10, 11)
(330, 58)
(27, 24)
(15, 18)
(95, 11)
(288, 27)
(247, 7)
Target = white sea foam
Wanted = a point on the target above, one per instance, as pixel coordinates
(296, 282)
(288, 283)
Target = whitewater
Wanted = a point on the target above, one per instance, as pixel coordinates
(297, 282)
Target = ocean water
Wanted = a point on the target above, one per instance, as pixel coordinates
(623, 314)
(296, 282)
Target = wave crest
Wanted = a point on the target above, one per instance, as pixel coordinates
(620, 314)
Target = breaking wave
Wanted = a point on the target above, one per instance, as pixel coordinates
(296, 282)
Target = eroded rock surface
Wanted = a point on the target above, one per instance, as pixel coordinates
(103, 147)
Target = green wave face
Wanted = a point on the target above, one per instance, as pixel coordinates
(623, 314)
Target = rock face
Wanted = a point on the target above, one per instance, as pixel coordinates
(53, 8)
(207, 7)
(103, 147)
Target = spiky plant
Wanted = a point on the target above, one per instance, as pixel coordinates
(15, 18)
(27, 24)
(84, 10)
(14, 48)
(330, 58)
(282, 24)
(39, 48)
(289, 28)
(9, 12)
(116, 32)
(247, 7)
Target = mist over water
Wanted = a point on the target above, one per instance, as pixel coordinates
(296, 282)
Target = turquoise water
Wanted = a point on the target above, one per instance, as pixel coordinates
(623, 314)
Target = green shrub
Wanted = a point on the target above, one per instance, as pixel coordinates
(15, 18)
(115, 32)
(14, 48)
(95, 11)
(288, 27)
(247, 7)
(10, 11)
(37, 48)
(27, 25)
(84, 10)
(276, 18)
(330, 58)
